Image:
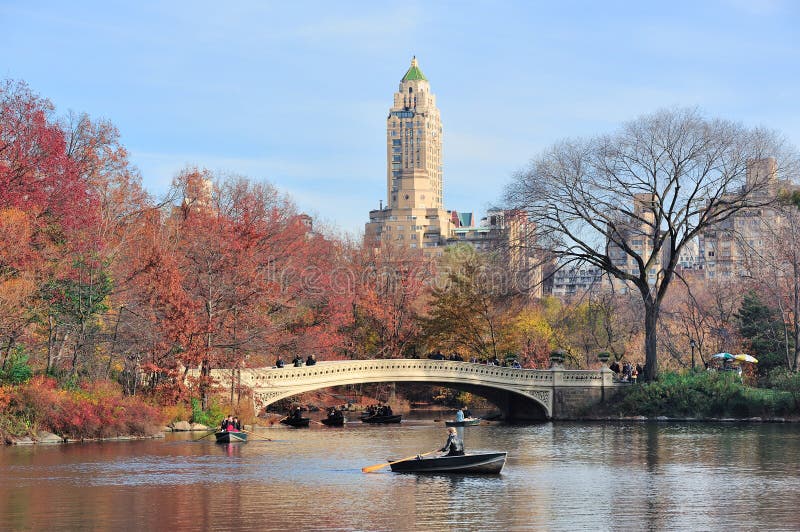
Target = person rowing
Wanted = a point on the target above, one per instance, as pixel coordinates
(454, 445)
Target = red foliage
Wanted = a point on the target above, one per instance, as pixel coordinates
(95, 410)
(36, 173)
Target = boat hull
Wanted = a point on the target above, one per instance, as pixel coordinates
(474, 464)
(334, 421)
(469, 422)
(382, 419)
(230, 437)
(297, 423)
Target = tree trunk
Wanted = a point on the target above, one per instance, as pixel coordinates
(650, 341)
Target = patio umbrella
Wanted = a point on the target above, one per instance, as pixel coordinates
(724, 356)
(746, 358)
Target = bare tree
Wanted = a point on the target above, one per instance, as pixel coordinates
(629, 202)
(773, 262)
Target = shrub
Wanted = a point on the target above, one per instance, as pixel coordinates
(17, 370)
(706, 394)
(209, 417)
(87, 410)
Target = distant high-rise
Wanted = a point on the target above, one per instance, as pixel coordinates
(414, 216)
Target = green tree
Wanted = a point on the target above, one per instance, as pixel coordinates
(764, 329)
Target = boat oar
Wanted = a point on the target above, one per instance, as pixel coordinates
(206, 435)
(370, 469)
(257, 435)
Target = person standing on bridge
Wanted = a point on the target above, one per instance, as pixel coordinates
(454, 445)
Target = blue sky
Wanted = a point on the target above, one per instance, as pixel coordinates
(297, 93)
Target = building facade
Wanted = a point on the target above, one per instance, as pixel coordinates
(414, 215)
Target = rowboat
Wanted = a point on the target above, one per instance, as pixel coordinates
(336, 421)
(381, 419)
(476, 463)
(468, 422)
(296, 422)
(225, 436)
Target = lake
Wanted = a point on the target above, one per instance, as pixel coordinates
(559, 476)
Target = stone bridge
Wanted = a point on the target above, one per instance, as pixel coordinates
(522, 394)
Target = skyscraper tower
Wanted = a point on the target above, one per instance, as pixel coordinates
(414, 145)
(414, 216)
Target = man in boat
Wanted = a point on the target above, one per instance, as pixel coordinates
(454, 446)
(459, 415)
(298, 413)
(225, 422)
(237, 425)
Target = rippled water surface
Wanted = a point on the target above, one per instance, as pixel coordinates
(560, 476)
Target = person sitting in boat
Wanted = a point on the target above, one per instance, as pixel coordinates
(454, 446)
(335, 414)
(225, 422)
(459, 415)
(467, 412)
(297, 414)
(237, 425)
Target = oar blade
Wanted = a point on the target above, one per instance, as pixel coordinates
(370, 469)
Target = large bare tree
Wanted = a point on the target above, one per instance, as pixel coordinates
(629, 202)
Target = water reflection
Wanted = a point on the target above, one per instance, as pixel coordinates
(558, 476)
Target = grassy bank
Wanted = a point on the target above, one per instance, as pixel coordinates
(705, 395)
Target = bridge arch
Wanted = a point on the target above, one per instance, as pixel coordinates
(520, 393)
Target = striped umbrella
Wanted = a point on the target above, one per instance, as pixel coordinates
(746, 358)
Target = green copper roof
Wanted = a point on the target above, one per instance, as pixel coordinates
(414, 73)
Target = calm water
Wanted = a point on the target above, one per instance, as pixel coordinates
(558, 477)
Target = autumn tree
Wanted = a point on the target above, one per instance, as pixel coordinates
(471, 304)
(381, 293)
(703, 310)
(628, 203)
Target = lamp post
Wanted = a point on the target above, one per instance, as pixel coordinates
(692, 344)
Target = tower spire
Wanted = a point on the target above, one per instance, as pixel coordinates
(414, 73)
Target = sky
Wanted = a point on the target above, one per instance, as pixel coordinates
(296, 93)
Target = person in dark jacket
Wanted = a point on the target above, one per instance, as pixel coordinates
(311, 360)
(454, 446)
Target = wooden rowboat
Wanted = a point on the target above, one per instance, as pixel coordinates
(477, 463)
(336, 421)
(468, 422)
(225, 436)
(296, 422)
(381, 419)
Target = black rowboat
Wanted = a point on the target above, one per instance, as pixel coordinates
(296, 422)
(225, 436)
(468, 422)
(336, 421)
(381, 419)
(477, 463)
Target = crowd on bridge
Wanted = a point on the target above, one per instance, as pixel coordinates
(627, 372)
